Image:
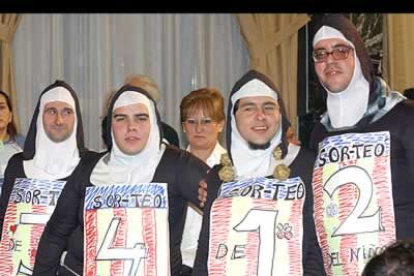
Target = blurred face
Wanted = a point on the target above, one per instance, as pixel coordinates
(334, 74)
(5, 114)
(58, 120)
(131, 128)
(201, 131)
(257, 119)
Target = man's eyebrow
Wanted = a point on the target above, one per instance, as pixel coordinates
(119, 115)
(270, 104)
(135, 115)
(339, 44)
(247, 104)
(141, 115)
(319, 48)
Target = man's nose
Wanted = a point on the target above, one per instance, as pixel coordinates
(330, 58)
(260, 115)
(59, 119)
(132, 125)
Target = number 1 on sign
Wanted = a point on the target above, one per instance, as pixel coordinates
(263, 221)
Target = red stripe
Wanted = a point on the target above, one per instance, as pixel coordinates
(252, 253)
(91, 242)
(220, 222)
(150, 234)
(295, 244)
(383, 193)
(6, 264)
(319, 217)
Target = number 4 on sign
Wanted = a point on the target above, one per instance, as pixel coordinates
(263, 221)
(108, 253)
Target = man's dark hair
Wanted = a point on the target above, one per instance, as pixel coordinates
(254, 146)
(396, 260)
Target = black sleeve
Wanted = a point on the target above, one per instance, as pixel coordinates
(407, 135)
(317, 135)
(8, 183)
(312, 253)
(200, 263)
(313, 262)
(63, 221)
(190, 172)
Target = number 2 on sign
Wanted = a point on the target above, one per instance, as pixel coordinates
(107, 253)
(356, 222)
(263, 221)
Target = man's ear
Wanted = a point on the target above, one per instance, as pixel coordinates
(182, 126)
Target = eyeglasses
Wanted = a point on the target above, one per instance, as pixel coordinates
(203, 122)
(338, 53)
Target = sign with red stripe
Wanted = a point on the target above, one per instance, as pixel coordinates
(31, 204)
(256, 228)
(126, 230)
(353, 201)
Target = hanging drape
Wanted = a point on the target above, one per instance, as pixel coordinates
(8, 26)
(398, 51)
(95, 52)
(273, 47)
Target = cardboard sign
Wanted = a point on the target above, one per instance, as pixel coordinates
(256, 228)
(31, 204)
(353, 201)
(126, 230)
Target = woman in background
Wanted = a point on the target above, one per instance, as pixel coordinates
(202, 120)
(10, 141)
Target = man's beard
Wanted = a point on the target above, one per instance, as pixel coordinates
(254, 146)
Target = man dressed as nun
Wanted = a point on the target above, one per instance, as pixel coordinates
(124, 212)
(364, 178)
(258, 215)
(34, 178)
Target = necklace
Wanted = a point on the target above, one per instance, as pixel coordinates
(227, 172)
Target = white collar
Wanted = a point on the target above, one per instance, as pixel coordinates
(215, 156)
(347, 108)
(103, 174)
